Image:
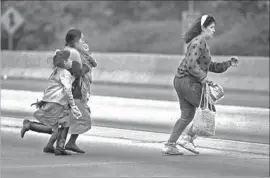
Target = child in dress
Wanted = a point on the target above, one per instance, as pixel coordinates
(56, 106)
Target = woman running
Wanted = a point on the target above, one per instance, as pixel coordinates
(190, 77)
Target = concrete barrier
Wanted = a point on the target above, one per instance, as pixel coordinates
(153, 69)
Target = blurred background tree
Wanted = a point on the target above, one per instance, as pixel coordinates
(140, 26)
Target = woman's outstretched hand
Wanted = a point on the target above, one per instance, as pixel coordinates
(234, 61)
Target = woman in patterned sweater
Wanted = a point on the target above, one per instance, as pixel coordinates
(190, 77)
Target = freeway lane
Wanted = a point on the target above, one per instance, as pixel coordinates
(232, 97)
(235, 135)
(23, 158)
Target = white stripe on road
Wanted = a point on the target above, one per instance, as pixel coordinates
(117, 109)
(22, 95)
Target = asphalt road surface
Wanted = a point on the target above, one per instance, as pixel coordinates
(232, 97)
(24, 158)
(145, 92)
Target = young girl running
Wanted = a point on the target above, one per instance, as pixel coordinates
(56, 105)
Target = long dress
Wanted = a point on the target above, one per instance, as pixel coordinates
(84, 123)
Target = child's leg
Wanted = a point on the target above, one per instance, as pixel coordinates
(49, 147)
(35, 126)
(61, 140)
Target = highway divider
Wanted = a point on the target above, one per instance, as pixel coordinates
(146, 69)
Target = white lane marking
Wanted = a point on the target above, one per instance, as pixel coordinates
(22, 95)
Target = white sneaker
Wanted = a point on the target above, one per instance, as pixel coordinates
(187, 143)
(171, 149)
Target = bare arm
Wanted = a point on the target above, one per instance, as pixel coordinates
(77, 69)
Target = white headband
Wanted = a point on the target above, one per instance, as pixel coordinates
(204, 17)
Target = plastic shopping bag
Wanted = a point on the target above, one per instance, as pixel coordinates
(216, 93)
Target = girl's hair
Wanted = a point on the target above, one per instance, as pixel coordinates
(196, 28)
(60, 57)
(72, 36)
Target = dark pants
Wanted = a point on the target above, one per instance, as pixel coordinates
(189, 94)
